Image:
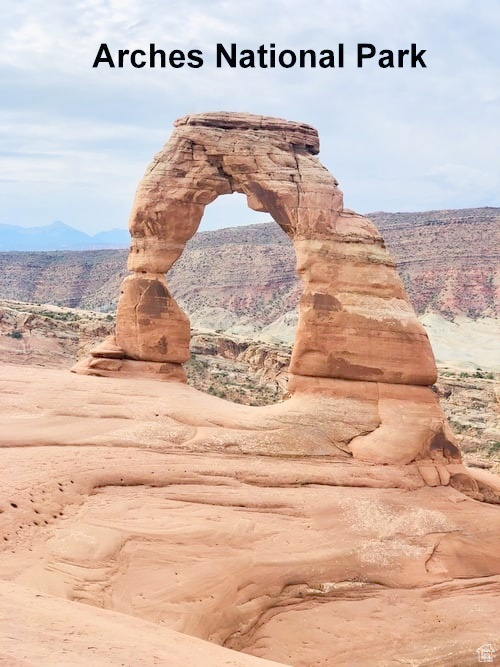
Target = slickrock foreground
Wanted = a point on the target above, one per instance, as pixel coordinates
(155, 502)
(339, 527)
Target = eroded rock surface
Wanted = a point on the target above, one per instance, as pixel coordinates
(354, 319)
(323, 530)
(175, 513)
(355, 322)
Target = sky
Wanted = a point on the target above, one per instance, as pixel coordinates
(75, 140)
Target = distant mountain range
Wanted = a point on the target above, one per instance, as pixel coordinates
(59, 236)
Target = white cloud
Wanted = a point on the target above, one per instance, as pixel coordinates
(395, 139)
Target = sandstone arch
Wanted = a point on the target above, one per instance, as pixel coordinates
(354, 321)
(358, 338)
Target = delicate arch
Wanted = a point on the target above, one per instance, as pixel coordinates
(355, 321)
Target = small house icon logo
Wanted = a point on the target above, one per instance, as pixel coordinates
(485, 653)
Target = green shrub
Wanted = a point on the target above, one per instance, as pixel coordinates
(494, 448)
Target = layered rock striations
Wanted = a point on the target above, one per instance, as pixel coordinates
(448, 262)
(358, 341)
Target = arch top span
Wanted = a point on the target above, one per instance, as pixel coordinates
(269, 160)
(298, 134)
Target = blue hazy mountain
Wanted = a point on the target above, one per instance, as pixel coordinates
(59, 236)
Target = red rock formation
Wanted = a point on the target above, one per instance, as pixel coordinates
(224, 522)
(357, 331)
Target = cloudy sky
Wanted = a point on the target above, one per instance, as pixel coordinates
(75, 140)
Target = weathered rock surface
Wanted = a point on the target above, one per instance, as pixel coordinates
(164, 508)
(150, 325)
(40, 630)
(49, 335)
(323, 530)
(230, 367)
(355, 323)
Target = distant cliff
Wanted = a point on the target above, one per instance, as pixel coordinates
(449, 262)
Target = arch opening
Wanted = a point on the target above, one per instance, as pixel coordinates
(240, 291)
(229, 211)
